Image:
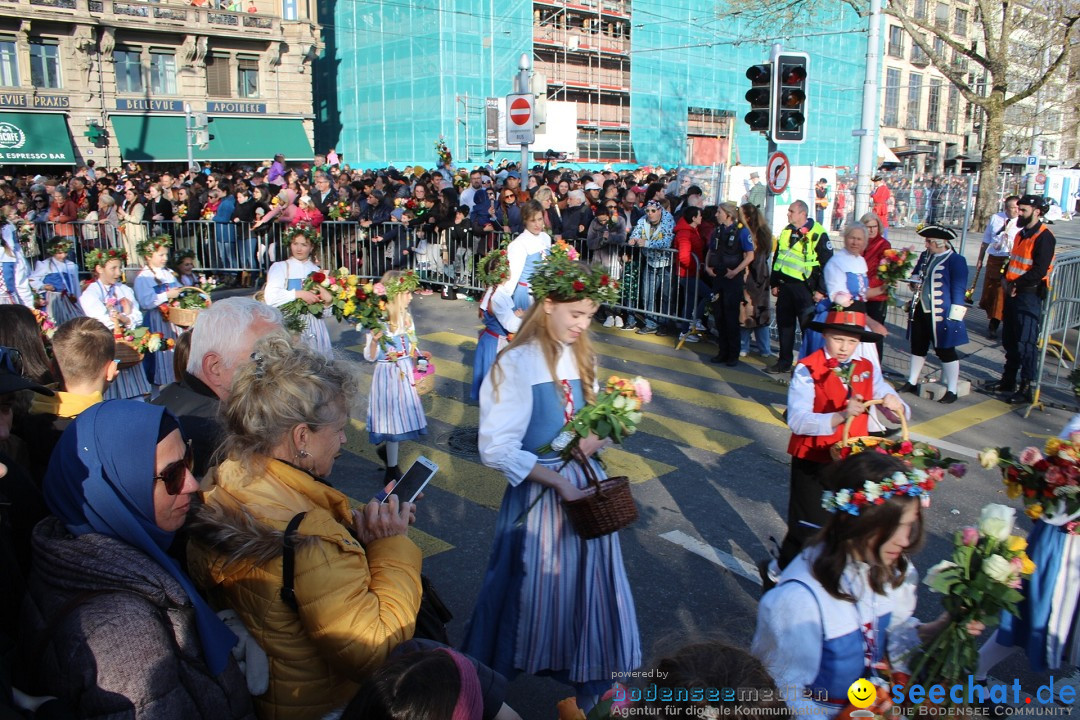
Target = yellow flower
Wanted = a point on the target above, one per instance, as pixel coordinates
(350, 308)
(382, 306)
(1028, 566)
(353, 280)
(1034, 511)
(1013, 490)
(1015, 543)
(369, 288)
(1052, 446)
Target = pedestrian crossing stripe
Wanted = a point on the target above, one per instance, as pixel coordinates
(962, 419)
(745, 409)
(690, 367)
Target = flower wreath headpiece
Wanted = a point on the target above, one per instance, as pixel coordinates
(58, 244)
(499, 270)
(152, 244)
(100, 257)
(181, 254)
(910, 483)
(408, 282)
(307, 231)
(560, 276)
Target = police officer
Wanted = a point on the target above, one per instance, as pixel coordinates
(1025, 285)
(797, 279)
(730, 252)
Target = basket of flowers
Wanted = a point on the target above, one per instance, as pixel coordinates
(183, 310)
(133, 343)
(849, 445)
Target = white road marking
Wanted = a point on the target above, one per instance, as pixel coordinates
(717, 557)
(945, 445)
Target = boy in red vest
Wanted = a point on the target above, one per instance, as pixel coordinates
(826, 389)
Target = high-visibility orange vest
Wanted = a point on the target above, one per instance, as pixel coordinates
(1020, 260)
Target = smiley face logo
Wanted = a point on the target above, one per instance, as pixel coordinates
(862, 693)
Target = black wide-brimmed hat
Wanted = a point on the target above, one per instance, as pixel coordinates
(937, 232)
(846, 321)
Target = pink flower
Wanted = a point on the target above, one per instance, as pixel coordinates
(618, 696)
(1030, 456)
(642, 389)
(842, 298)
(970, 536)
(1016, 583)
(1055, 477)
(936, 473)
(379, 289)
(110, 302)
(571, 253)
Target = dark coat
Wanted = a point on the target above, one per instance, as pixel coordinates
(130, 650)
(196, 407)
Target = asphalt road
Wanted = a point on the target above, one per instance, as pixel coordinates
(710, 473)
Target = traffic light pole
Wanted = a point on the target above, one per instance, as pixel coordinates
(770, 198)
(190, 132)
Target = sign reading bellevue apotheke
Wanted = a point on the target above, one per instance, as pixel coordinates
(151, 105)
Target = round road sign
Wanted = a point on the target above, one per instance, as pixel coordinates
(778, 172)
(520, 111)
(1040, 178)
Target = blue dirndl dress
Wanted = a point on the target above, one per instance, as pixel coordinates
(148, 285)
(394, 409)
(552, 603)
(61, 304)
(314, 335)
(492, 339)
(522, 298)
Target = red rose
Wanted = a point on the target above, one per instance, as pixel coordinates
(879, 501)
(578, 286)
(929, 483)
(906, 448)
(604, 280)
(1042, 465)
(859, 498)
(360, 295)
(560, 273)
(1028, 492)
(318, 277)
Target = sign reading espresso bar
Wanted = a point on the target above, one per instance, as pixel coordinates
(38, 102)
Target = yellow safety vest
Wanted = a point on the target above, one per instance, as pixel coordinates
(798, 261)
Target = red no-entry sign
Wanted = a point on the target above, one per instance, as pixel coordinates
(520, 111)
(519, 119)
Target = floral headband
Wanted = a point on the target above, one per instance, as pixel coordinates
(151, 245)
(911, 483)
(561, 277)
(499, 269)
(182, 254)
(408, 282)
(59, 245)
(307, 231)
(100, 257)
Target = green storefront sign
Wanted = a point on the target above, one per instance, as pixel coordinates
(35, 139)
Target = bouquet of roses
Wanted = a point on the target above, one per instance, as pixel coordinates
(982, 579)
(143, 341)
(208, 213)
(46, 326)
(1048, 484)
(181, 210)
(614, 414)
(207, 283)
(354, 301)
(895, 266)
(27, 238)
(339, 211)
(443, 152)
(295, 311)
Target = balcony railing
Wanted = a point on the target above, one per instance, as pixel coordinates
(169, 14)
(576, 40)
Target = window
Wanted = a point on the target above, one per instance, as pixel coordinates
(289, 10)
(44, 64)
(9, 62)
(247, 77)
(920, 9)
(918, 57)
(896, 41)
(217, 76)
(914, 98)
(890, 118)
(961, 22)
(933, 105)
(162, 72)
(953, 110)
(941, 16)
(939, 47)
(128, 66)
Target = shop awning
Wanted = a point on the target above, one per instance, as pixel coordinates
(885, 153)
(35, 139)
(149, 138)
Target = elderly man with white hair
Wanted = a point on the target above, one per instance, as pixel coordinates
(221, 342)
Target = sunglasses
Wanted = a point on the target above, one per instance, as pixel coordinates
(175, 474)
(509, 197)
(611, 207)
(11, 360)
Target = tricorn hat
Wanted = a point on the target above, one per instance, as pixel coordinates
(937, 232)
(847, 321)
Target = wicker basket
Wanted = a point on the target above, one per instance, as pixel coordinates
(126, 355)
(836, 451)
(185, 317)
(607, 506)
(424, 382)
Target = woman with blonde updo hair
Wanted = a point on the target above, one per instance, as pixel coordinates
(356, 576)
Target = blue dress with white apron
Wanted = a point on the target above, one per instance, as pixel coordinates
(522, 298)
(150, 288)
(314, 335)
(394, 409)
(492, 339)
(551, 603)
(15, 289)
(130, 382)
(61, 304)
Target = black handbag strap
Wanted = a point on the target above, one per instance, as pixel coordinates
(288, 562)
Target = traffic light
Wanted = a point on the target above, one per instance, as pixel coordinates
(201, 128)
(789, 105)
(96, 134)
(760, 97)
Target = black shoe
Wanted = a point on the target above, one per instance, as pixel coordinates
(718, 359)
(646, 330)
(664, 331)
(778, 369)
(948, 397)
(1000, 387)
(1022, 396)
(908, 388)
(732, 362)
(392, 473)
(767, 582)
(991, 334)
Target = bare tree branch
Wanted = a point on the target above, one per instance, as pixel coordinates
(1057, 63)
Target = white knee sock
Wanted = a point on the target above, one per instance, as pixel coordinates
(950, 374)
(392, 453)
(915, 369)
(990, 654)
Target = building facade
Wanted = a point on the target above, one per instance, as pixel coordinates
(132, 67)
(651, 82)
(924, 118)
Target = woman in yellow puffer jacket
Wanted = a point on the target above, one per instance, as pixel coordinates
(357, 575)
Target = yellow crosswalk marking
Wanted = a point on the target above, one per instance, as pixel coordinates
(957, 420)
(636, 467)
(617, 354)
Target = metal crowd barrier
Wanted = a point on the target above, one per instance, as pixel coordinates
(1059, 341)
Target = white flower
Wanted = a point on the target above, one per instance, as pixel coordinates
(933, 578)
(1066, 490)
(899, 479)
(998, 569)
(843, 497)
(620, 402)
(996, 521)
(562, 441)
(326, 282)
(872, 490)
(988, 458)
(153, 344)
(634, 416)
